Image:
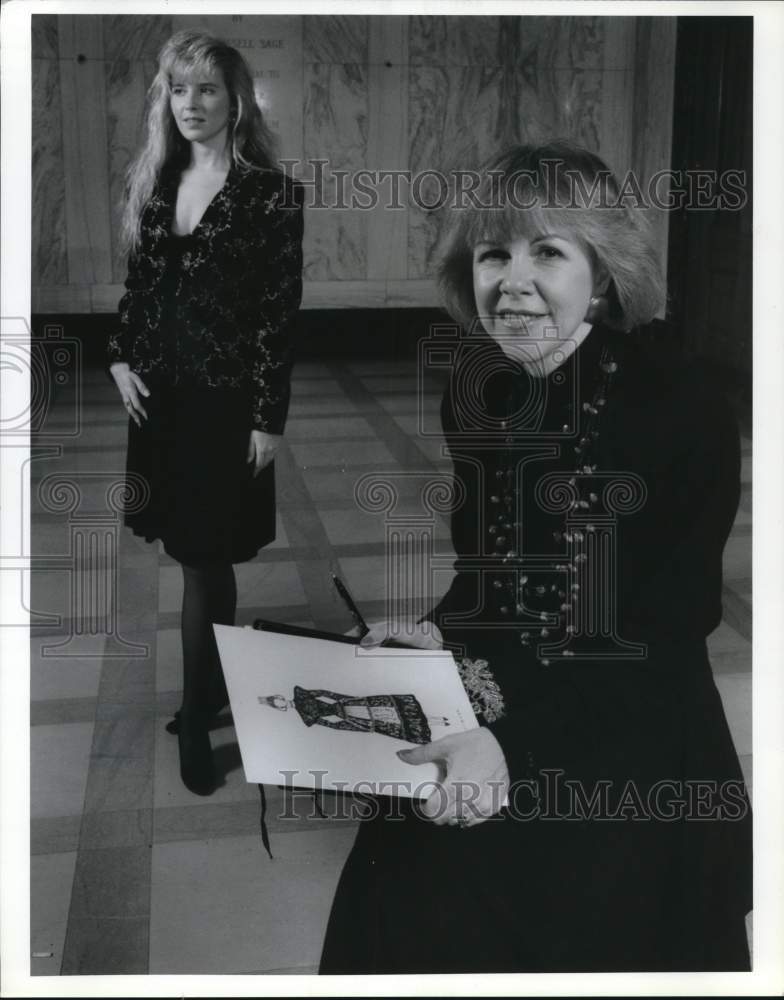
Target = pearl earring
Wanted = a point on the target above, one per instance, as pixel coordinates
(597, 309)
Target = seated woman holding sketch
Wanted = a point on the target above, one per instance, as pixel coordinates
(597, 819)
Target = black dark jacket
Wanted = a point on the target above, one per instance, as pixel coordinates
(626, 842)
(236, 293)
(667, 455)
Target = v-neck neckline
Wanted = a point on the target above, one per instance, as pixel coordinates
(210, 204)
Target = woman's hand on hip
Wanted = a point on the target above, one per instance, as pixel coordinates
(131, 390)
(261, 449)
(476, 783)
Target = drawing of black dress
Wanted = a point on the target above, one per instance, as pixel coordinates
(397, 715)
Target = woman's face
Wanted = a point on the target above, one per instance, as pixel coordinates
(201, 107)
(532, 295)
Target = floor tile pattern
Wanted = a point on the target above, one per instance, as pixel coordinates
(131, 873)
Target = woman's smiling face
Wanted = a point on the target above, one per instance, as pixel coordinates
(532, 295)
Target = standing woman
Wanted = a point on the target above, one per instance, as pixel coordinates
(202, 357)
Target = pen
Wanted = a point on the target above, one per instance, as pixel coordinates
(354, 611)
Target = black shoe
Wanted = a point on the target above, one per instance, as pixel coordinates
(173, 726)
(196, 761)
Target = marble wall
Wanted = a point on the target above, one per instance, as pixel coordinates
(335, 128)
(480, 84)
(131, 45)
(360, 92)
(49, 264)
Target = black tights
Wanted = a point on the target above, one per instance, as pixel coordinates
(210, 595)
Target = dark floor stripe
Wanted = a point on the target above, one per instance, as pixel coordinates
(109, 917)
(61, 711)
(241, 819)
(245, 616)
(401, 445)
(737, 612)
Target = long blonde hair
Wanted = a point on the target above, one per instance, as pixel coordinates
(252, 144)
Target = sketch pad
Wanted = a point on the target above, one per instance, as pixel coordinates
(317, 713)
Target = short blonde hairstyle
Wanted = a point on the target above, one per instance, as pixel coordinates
(557, 187)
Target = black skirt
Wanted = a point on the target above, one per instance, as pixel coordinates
(189, 482)
(545, 886)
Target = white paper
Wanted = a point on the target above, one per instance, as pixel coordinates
(262, 670)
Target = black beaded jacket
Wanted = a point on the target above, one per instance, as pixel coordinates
(223, 319)
(590, 516)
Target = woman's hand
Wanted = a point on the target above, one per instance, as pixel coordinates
(261, 449)
(131, 388)
(476, 783)
(419, 635)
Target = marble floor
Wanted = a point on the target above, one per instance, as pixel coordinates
(130, 872)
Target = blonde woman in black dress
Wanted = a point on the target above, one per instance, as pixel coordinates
(202, 356)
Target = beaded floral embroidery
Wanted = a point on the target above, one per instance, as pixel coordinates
(482, 689)
(236, 293)
(513, 595)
